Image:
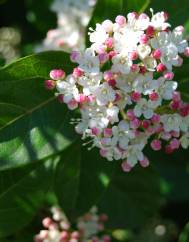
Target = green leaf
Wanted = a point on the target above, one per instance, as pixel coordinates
(22, 193)
(132, 198)
(184, 236)
(33, 125)
(112, 8)
(81, 178)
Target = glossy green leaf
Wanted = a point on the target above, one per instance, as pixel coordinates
(23, 191)
(81, 178)
(132, 198)
(33, 125)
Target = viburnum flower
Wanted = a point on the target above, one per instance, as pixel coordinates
(89, 227)
(125, 89)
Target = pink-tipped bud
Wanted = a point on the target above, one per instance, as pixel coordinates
(111, 54)
(133, 55)
(168, 149)
(150, 31)
(132, 15)
(50, 84)
(107, 25)
(175, 144)
(108, 132)
(72, 104)
(180, 28)
(117, 97)
(186, 52)
(175, 105)
(166, 16)
(64, 236)
(145, 124)
(109, 43)
(135, 96)
(144, 39)
(142, 70)
(112, 82)
(143, 16)
(126, 167)
(130, 114)
(135, 68)
(154, 96)
(108, 75)
(121, 20)
(75, 235)
(161, 67)
(96, 131)
(81, 98)
(47, 222)
(155, 118)
(156, 144)
(103, 57)
(74, 56)
(77, 72)
(57, 74)
(135, 123)
(169, 75)
(156, 54)
(145, 162)
(103, 152)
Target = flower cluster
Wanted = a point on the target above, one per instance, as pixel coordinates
(73, 17)
(59, 229)
(124, 88)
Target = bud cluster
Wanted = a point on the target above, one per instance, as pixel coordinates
(88, 227)
(124, 88)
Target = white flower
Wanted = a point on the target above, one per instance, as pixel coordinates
(145, 84)
(166, 88)
(158, 21)
(143, 51)
(150, 63)
(184, 140)
(104, 94)
(171, 122)
(121, 63)
(89, 62)
(144, 107)
(68, 88)
(99, 35)
(90, 82)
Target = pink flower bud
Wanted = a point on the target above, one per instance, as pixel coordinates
(103, 57)
(154, 96)
(72, 104)
(108, 75)
(134, 68)
(107, 25)
(109, 43)
(106, 238)
(103, 152)
(169, 75)
(126, 167)
(61, 98)
(133, 55)
(111, 54)
(186, 52)
(75, 235)
(145, 124)
(133, 15)
(121, 20)
(179, 61)
(156, 144)
(108, 132)
(142, 70)
(112, 82)
(96, 131)
(156, 54)
(155, 118)
(168, 149)
(145, 162)
(135, 123)
(161, 67)
(135, 96)
(77, 72)
(150, 31)
(175, 144)
(117, 97)
(166, 15)
(130, 114)
(74, 56)
(175, 105)
(144, 39)
(47, 222)
(176, 96)
(50, 84)
(143, 16)
(64, 236)
(180, 28)
(57, 74)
